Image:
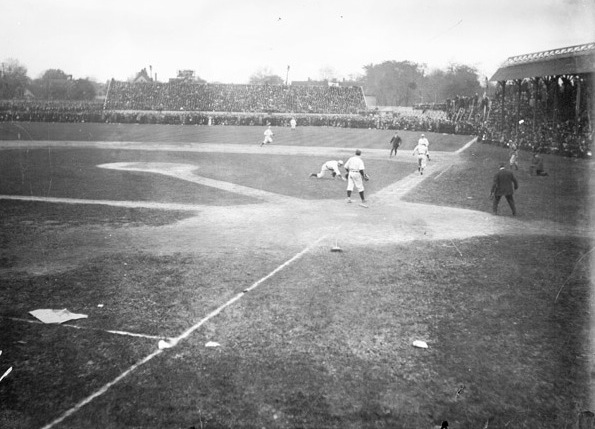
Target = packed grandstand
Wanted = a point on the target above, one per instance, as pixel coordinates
(543, 101)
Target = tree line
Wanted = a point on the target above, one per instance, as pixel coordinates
(393, 83)
(401, 83)
(405, 83)
(53, 84)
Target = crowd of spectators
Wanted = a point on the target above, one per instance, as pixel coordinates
(241, 119)
(194, 97)
(410, 119)
(370, 120)
(536, 133)
(256, 105)
(527, 123)
(51, 111)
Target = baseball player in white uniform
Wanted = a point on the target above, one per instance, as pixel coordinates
(356, 176)
(422, 156)
(333, 167)
(423, 140)
(268, 136)
(293, 123)
(514, 155)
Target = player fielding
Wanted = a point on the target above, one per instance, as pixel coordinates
(355, 177)
(333, 167)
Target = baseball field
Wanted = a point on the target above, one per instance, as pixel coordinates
(203, 263)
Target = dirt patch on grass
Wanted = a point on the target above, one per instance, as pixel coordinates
(282, 221)
(331, 333)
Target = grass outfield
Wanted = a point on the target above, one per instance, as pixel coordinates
(250, 135)
(51, 173)
(22, 217)
(565, 196)
(325, 339)
(73, 173)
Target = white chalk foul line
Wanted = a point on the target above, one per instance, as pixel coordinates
(109, 331)
(131, 204)
(190, 330)
(442, 172)
(101, 391)
(176, 340)
(469, 143)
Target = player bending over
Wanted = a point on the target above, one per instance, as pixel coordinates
(333, 167)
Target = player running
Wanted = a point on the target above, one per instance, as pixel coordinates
(422, 155)
(423, 140)
(333, 167)
(268, 136)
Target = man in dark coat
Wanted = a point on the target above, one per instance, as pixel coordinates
(395, 142)
(537, 166)
(504, 185)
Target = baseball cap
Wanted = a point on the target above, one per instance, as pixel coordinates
(340, 162)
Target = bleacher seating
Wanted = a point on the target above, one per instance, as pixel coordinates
(178, 96)
(183, 103)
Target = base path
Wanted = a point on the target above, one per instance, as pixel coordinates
(270, 149)
(187, 172)
(280, 220)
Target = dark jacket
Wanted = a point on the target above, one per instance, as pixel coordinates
(538, 163)
(504, 183)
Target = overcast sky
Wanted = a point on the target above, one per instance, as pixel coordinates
(229, 40)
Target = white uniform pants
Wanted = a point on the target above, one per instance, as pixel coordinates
(421, 161)
(355, 180)
(323, 171)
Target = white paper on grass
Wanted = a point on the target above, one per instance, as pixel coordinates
(420, 344)
(163, 345)
(56, 316)
(212, 344)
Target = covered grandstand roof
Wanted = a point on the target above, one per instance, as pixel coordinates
(579, 59)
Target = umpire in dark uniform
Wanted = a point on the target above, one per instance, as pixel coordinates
(504, 185)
